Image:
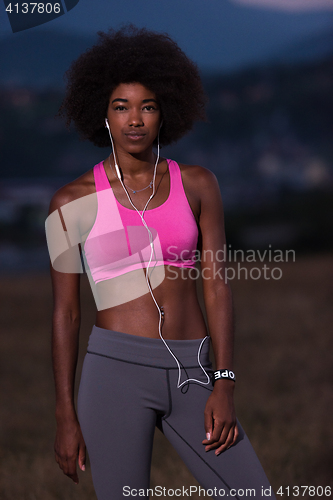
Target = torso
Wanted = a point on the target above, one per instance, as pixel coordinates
(177, 293)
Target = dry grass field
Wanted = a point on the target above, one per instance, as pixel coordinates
(283, 362)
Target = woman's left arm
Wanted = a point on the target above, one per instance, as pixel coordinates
(220, 418)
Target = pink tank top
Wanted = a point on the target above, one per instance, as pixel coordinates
(119, 243)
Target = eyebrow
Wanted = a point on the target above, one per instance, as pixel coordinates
(126, 100)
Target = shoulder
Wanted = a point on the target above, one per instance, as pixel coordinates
(197, 174)
(78, 188)
(199, 180)
(201, 185)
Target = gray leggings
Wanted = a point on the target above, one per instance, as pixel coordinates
(128, 386)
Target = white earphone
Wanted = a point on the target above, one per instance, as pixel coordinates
(114, 156)
(152, 252)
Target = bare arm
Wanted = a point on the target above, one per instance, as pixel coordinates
(220, 417)
(65, 337)
(69, 443)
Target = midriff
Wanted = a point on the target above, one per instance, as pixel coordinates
(183, 318)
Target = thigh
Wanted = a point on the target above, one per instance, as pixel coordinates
(233, 471)
(117, 427)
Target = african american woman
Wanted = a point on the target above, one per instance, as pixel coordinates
(137, 224)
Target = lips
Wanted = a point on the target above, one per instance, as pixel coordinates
(135, 136)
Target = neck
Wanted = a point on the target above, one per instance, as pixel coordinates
(133, 165)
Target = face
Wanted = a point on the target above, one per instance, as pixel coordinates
(134, 117)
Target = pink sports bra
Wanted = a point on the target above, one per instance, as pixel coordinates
(119, 243)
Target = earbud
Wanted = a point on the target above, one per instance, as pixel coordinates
(113, 151)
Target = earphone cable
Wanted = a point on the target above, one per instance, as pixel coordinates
(152, 252)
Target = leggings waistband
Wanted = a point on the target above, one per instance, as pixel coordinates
(148, 351)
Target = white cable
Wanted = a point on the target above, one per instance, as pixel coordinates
(151, 242)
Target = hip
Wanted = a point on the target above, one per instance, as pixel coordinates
(148, 351)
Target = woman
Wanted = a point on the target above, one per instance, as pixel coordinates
(140, 222)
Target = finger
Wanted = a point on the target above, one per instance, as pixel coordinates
(218, 427)
(208, 426)
(226, 441)
(236, 434)
(223, 437)
(68, 466)
(61, 461)
(74, 477)
(82, 457)
(70, 469)
(208, 439)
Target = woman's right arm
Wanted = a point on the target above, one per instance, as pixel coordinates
(69, 443)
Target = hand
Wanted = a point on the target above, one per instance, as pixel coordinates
(220, 418)
(69, 445)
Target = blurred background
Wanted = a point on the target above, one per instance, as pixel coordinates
(267, 68)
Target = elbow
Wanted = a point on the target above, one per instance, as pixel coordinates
(70, 316)
(217, 292)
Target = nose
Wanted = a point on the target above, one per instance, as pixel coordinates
(135, 118)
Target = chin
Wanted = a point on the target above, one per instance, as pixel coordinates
(137, 148)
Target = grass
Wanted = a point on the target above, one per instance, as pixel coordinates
(284, 390)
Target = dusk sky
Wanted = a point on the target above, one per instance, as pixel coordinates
(212, 32)
(290, 5)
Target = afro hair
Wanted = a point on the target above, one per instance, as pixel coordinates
(132, 55)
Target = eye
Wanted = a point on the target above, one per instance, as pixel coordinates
(120, 107)
(150, 107)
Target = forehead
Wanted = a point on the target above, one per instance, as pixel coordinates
(132, 91)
